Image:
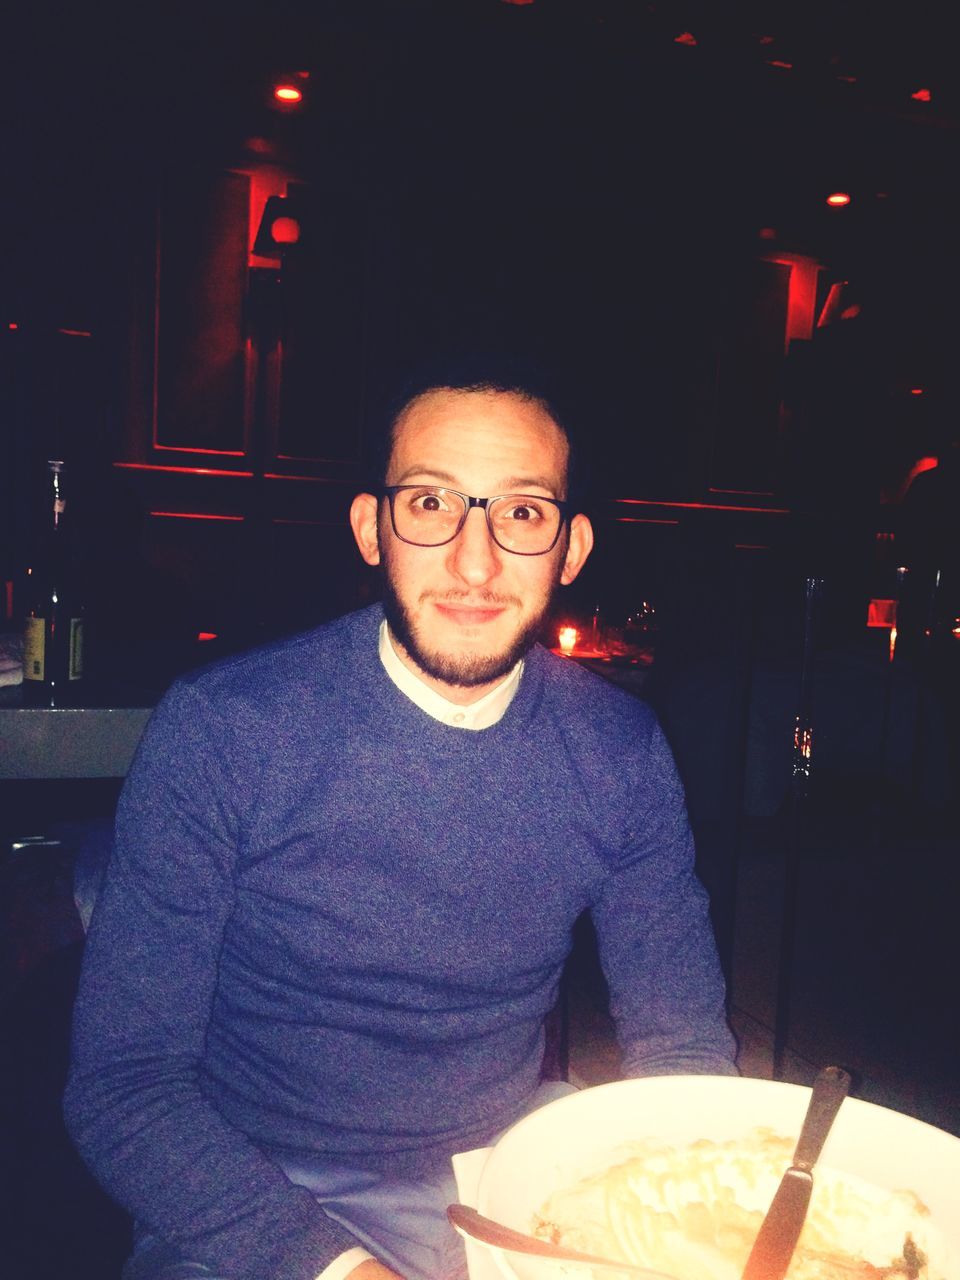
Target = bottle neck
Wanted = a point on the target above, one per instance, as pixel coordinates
(57, 498)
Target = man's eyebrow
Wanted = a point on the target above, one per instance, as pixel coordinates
(512, 484)
(428, 474)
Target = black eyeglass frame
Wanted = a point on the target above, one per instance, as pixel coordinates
(390, 491)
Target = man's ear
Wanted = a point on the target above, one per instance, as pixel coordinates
(579, 546)
(364, 514)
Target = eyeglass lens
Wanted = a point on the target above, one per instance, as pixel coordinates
(430, 516)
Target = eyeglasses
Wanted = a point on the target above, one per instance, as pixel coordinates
(427, 515)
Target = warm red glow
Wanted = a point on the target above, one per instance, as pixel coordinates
(893, 641)
(287, 92)
(76, 333)
(285, 231)
(921, 95)
(206, 635)
(882, 613)
(801, 294)
(568, 637)
(685, 37)
(183, 471)
(13, 325)
(776, 62)
(927, 463)
(838, 199)
(192, 515)
(642, 519)
(744, 493)
(190, 448)
(916, 391)
(264, 183)
(767, 233)
(703, 506)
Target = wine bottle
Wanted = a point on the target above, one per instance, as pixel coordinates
(53, 614)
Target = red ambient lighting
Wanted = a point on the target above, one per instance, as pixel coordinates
(685, 37)
(838, 199)
(285, 230)
(916, 391)
(287, 93)
(921, 95)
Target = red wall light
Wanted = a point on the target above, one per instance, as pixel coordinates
(280, 227)
(838, 199)
(285, 230)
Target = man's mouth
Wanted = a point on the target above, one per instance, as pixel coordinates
(469, 615)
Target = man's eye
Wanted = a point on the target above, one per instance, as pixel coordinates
(523, 511)
(429, 502)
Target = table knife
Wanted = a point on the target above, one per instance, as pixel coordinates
(773, 1248)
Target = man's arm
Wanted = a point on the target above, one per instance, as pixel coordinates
(656, 941)
(134, 1103)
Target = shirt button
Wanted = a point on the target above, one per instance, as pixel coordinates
(459, 718)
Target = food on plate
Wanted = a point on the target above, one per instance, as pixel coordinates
(694, 1211)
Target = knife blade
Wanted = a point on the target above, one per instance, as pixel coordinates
(780, 1230)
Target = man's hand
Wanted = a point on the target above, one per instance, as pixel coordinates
(371, 1269)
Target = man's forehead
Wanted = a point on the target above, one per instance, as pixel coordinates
(508, 416)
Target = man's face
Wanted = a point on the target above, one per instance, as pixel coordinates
(462, 614)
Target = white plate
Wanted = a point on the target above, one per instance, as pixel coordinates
(580, 1134)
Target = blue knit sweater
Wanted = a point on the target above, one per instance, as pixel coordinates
(333, 926)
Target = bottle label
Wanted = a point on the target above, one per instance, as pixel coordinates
(34, 634)
(75, 670)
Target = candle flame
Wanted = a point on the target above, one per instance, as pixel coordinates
(568, 638)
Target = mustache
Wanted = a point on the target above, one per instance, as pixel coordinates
(489, 599)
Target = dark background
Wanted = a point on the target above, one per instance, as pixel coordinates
(634, 193)
(563, 177)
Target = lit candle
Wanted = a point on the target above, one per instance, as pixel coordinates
(568, 639)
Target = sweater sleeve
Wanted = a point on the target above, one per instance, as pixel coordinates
(134, 1102)
(656, 940)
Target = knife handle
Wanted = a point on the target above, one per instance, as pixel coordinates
(829, 1090)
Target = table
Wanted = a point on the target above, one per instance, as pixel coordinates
(96, 740)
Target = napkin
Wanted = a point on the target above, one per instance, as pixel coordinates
(467, 1168)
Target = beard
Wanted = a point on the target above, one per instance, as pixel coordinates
(464, 671)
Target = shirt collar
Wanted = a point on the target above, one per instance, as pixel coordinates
(483, 713)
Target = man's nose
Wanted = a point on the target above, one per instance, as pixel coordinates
(474, 556)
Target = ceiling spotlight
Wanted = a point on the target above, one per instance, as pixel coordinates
(288, 89)
(837, 199)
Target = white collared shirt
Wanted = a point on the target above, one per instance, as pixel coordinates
(483, 713)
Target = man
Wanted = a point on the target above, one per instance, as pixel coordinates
(346, 871)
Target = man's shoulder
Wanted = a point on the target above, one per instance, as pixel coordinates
(306, 665)
(586, 698)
